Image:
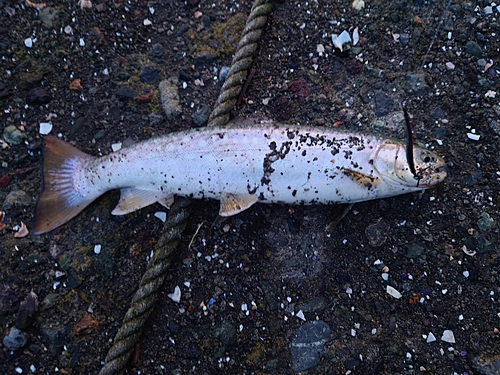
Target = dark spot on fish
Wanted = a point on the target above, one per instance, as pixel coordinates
(294, 193)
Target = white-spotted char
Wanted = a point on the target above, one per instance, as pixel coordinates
(238, 165)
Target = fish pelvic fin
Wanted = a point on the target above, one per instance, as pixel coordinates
(132, 199)
(232, 204)
(59, 202)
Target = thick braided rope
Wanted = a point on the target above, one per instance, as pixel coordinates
(144, 299)
(165, 250)
(242, 61)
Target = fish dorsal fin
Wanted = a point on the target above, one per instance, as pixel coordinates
(132, 199)
(231, 204)
(361, 178)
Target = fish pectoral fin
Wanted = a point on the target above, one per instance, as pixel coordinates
(132, 199)
(232, 204)
(361, 178)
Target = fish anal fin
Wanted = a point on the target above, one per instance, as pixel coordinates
(231, 204)
(167, 201)
(361, 178)
(59, 202)
(132, 199)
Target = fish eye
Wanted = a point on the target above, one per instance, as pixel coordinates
(426, 158)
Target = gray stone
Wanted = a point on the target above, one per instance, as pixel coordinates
(383, 103)
(200, 117)
(487, 365)
(377, 232)
(125, 92)
(485, 222)
(224, 335)
(149, 74)
(404, 38)
(413, 250)
(54, 335)
(204, 57)
(223, 73)
(308, 344)
(437, 113)
(472, 48)
(17, 198)
(169, 96)
(417, 84)
(315, 304)
(158, 50)
(15, 340)
(13, 136)
(48, 16)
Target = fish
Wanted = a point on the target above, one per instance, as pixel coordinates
(237, 165)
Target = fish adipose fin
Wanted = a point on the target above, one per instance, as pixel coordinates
(132, 199)
(59, 202)
(231, 204)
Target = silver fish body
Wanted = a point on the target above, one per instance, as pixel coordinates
(239, 166)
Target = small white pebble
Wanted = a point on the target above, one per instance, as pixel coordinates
(465, 273)
(355, 36)
(385, 276)
(116, 146)
(358, 4)
(450, 65)
(19, 370)
(490, 94)
(448, 336)
(430, 337)
(28, 42)
(474, 137)
(176, 295)
(82, 42)
(97, 249)
(300, 315)
(393, 292)
(147, 22)
(162, 215)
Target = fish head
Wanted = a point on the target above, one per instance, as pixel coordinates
(392, 166)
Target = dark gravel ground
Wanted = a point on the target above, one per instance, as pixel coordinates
(244, 282)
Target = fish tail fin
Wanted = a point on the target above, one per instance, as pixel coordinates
(59, 201)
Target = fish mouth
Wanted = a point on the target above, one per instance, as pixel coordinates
(434, 177)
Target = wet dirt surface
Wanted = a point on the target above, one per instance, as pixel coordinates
(249, 283)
